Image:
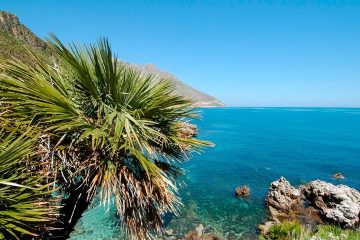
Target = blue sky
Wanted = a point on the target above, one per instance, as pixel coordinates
(246, 53)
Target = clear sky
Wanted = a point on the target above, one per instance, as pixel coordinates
(246, 53)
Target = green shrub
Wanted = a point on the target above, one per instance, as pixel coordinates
(284, 231)
(296, 231)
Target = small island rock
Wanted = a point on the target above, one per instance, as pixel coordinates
(243, 191)
(188, 130)
(338, 176)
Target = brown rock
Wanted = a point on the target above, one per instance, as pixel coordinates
(188, 130)
(338, 176)
(243, 191)
(169, 231)
(197, 234)
(192, 235)
(283, 198)
(264, 228)
(211, 237)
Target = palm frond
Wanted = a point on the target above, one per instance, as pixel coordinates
(25, 203)
(107, 125)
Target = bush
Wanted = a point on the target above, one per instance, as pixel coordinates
(296, 231)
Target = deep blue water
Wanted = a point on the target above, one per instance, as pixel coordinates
(254, 146)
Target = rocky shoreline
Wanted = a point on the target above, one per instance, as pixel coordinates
(314, 203)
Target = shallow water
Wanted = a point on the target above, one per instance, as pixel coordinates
(254, 146)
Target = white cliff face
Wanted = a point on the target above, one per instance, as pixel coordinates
(336, 204)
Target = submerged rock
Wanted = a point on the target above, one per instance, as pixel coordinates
(198, 234)
(169, 232)
(243, 191)
(339, 205)
(283, 198)
(193, 235)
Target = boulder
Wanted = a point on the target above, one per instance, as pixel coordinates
(200, 230)
(338, 205)
(243, 191)
(338, 176)
(188, 130)
(283, 198)
(169, 232)
(264, 228)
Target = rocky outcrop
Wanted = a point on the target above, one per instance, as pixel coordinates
(10, 24)
(312, 204)
(285, 203)
(283, 198)
(338, 176)
(243, 191)
(336, 204)
(188, 130)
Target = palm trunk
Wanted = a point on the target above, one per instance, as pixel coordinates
(73, 208)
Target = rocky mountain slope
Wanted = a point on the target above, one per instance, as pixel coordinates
(15, 37)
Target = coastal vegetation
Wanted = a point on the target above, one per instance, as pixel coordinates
(316, 210)
(99, 128)
(292, 230)
(26, 204)
(77, 124)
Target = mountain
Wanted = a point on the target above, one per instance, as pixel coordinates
(201, 99)
(15, 37)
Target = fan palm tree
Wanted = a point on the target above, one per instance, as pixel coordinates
(25, 204)
(105, 127)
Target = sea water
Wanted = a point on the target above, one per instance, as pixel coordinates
(254, 146)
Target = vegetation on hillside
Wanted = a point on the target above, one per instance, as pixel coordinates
(16, 38)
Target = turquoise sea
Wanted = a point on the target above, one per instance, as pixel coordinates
(254, 146)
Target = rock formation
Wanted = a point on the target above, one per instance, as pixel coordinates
(283, 198)
(198, 234)
(339, 205)
(338, 176)
(188, 130)
(243, 191)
